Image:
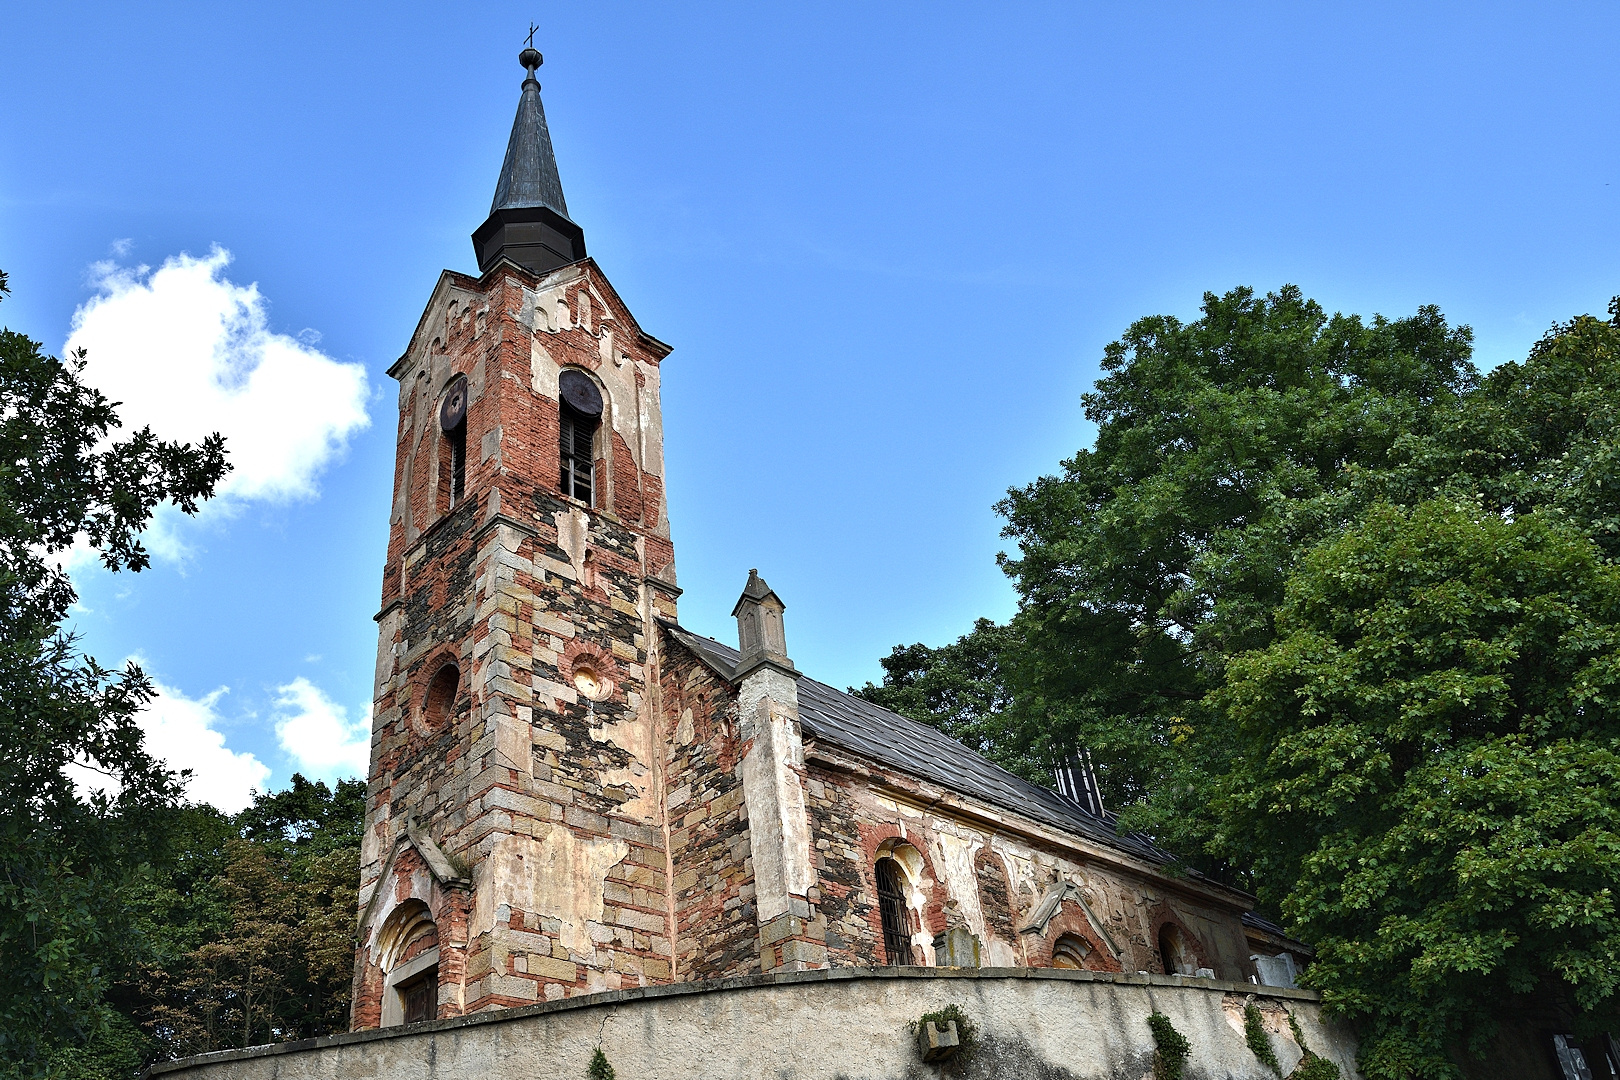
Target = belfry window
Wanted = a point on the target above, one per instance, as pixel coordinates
(581, 411)
(892, 910)
(453, 457)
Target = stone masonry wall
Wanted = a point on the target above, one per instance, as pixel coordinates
(987, 871)
(708, 827)
(543, 803)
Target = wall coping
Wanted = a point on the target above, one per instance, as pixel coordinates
(720, 986)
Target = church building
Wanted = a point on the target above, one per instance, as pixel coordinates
(570, 792)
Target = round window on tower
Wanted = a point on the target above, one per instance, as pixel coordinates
(580, 393)
(439, 700)
(591, 683)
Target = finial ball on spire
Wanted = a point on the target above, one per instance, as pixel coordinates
(531, 59)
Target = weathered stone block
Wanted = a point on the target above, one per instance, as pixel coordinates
(552, 968)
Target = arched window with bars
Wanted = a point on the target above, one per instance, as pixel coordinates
(893, 912)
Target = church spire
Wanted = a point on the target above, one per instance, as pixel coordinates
(529, 173)
(528, 219)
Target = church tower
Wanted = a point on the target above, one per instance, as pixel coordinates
(514, 848)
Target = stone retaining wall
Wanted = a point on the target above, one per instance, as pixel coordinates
(842, 1024)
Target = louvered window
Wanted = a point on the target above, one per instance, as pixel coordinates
(453, 447)
(578, 463)
(458, 463)
(892, 910)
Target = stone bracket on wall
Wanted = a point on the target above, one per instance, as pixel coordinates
(1060, 890)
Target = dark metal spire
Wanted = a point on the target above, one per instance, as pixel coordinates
(528, 219)
(529, 173)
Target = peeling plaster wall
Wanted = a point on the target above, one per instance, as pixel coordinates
(563, 872)
(773, 758)
(819, 1025)
(549, 802)
(855, 822)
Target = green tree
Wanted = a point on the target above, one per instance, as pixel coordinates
(959, 688)
(232, 987)
(1225, 447)
(66, 857)
(1335, 617)
(308, 818)
(1428, 775)
(257, 918)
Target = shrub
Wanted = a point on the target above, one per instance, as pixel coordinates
(1170, 1048)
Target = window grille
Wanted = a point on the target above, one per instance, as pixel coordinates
(892, 910)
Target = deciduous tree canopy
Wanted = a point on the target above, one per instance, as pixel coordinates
(1335, 617)
(133, 926)
(66, 856)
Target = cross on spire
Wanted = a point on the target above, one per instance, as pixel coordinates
(530, 57)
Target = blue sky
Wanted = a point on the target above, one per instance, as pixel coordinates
(888, 242)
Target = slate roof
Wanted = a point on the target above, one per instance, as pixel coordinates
(529, 173)
(833, 716)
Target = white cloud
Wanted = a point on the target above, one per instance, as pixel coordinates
(190, 352)
(183, 733)
(318, 734)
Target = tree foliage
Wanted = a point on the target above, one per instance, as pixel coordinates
(1335, 617)
(269, 953)
(65, 857)
(960, 687)
(134, 926)
(248, 930)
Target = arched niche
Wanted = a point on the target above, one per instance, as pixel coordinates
(439, 699)
(995, 895)
(1178, 952)
(1071, 951)
(407, 950)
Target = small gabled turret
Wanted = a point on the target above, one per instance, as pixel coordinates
(761, 637)
(528, 219)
